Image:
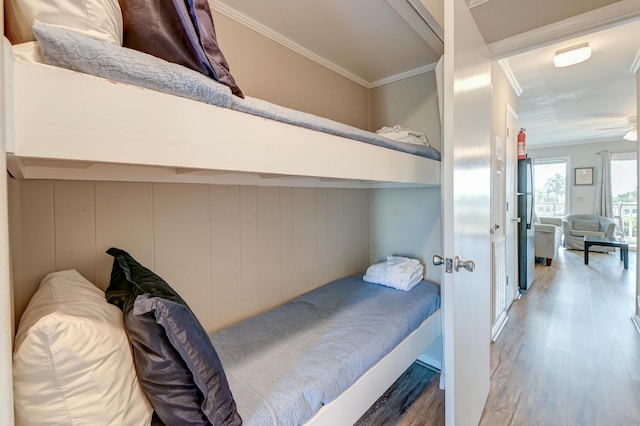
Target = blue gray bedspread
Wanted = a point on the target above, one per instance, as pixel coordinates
(74, 51)
(71, 50)
(266, 109)
(283, 365)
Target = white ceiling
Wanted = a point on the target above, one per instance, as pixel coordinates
(374, 42)
(587, 102)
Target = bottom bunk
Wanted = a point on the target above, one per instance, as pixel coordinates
(286, 364)
(323, 358)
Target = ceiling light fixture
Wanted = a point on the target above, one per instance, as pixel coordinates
(572, 55)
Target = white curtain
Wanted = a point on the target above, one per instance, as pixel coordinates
(604, 204)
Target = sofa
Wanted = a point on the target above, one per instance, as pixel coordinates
(547, 237)
(576, 226)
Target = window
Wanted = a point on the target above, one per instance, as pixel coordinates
(624, 191)
(550, 186)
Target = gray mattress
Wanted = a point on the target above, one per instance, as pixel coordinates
(284, 365)
(74, 51)
(266, 109)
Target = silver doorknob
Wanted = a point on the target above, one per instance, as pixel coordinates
(516, 219)
(438, 260)
(458, 263)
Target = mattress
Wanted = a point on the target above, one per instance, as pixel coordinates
(284, 365)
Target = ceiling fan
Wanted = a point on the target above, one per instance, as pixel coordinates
(631, 130)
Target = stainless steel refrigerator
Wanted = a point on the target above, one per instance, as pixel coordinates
(526, 256)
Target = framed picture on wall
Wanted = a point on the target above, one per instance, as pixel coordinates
(584, 176)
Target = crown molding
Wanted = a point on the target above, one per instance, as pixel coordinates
(596, 20)
(511, 78)
(402, 76)
(245, 20)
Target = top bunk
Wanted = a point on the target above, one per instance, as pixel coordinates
(68, 115)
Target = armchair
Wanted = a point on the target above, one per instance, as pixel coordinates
(547, 236)
(576, 226)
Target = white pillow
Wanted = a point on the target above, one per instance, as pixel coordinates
(28, 52)
(101, 19)
(72, 360)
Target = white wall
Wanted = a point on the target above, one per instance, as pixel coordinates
(582, 197)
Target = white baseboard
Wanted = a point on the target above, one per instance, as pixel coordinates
(432, 356)
(498, 326)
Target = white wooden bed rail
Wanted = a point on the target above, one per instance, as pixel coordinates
(66, 125)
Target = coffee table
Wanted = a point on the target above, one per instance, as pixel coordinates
(621, 243)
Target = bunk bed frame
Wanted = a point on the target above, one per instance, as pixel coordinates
(55, 130)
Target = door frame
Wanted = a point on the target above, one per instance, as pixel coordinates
(511, 214)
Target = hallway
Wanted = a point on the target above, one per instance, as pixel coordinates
(569, 354)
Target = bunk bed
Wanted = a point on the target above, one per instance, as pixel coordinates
(61, 123)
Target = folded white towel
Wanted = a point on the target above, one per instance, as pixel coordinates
(398, 272)
(401, 134)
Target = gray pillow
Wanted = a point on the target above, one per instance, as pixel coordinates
(176, 363)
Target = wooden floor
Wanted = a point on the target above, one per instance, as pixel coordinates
(569, 354)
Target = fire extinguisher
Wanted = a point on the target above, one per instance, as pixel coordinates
(522, 144)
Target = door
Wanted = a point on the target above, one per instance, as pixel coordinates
(511, 228)
(466, 216)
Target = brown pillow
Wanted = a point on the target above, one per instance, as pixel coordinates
(179, 31)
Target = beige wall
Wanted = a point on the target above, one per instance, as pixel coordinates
(230, 251)
(499, 19)
(411, 103)
(502, 95)
(406, 222)
(267, 70)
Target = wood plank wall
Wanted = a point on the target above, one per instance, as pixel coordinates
(230, 251)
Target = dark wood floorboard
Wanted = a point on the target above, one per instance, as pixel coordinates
(569, 354)
(399, 397)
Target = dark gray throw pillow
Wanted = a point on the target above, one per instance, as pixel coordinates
(178, 31)
(176, 363)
